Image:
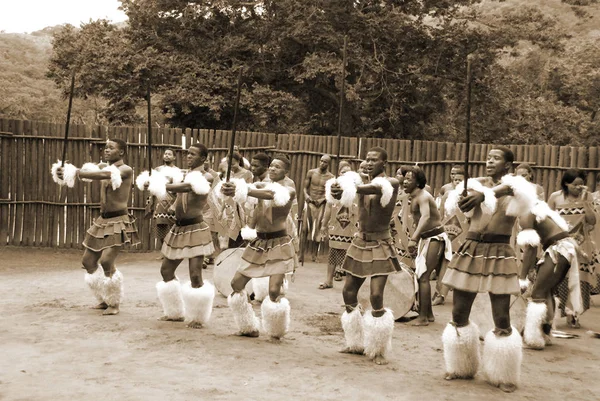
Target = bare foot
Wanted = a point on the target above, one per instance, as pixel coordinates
(168, 319)
(348, 350)
(431, 319)
(420, 322)
(194, 325)
(507, 387)
(101, 305)
(380, 360)
(252, 334)
(111, 310)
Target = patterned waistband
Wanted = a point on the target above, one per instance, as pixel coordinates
(433, 232)
(116, 213)
(189, 222)
(555, 238)
(489, 238)
(273, 235)
(374, 236)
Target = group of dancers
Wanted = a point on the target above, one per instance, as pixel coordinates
(485, 262)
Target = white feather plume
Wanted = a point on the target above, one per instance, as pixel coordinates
(328, 197)
(281, 195)
(174, 173)
(488, 206)
(141, 180)
(524, 195)
(348, 190)
(89, 168)
(199, 184)
(241, 190)
(115, 176)
(387, 190)
(157, 184)
(248, 234)
(69, 174)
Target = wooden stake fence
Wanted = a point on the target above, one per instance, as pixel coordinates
(34, 211)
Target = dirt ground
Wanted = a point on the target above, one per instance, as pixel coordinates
(55, 348)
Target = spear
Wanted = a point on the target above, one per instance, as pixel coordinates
(468, 124)
(234, 124)
(64, 151)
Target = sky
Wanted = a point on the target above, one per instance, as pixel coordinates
(20, 16)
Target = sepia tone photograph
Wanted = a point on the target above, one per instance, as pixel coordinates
(300, 200)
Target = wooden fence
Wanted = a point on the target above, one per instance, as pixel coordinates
(34, 211)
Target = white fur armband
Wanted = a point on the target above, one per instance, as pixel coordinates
(141, 180)
(89, 168)
(524, 195)
(174, 173)
(488, 206)
(387, 190)
(348, 186)
(115, 176)
(199, 184)
(328, 197)
(248, 234)
(281, 195)
(528, 237)
(157, 184)
(69, 174)
(241, 190)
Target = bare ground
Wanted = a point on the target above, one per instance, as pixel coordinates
(55, 348)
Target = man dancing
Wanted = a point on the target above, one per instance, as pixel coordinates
(189, 238)
(433, 242)
(113, 229)
(271, 254)
(371, 254)
(314, 207)
(485, 262)
(163, 216)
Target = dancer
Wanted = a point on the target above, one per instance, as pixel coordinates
(270, 254)
(112, 230)
(484, 263)
(429, 235)
(524, 170)
(371, 254)
(339, 224)
(164, 216)
(457, 169)
(314, 206)
(190, 239)
(574, 203)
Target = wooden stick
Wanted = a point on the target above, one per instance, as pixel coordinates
(64, 151)
(149, 129)
(234, 124)
(342, 98)
(468, 125)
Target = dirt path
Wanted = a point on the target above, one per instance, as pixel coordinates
(55, 348)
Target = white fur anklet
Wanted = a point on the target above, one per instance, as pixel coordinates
(461, 350)
(378, 333)
(198, 302)
(533, 336)
(502, 357)
(275, 317)
(352, 323)
(95, 282)
(113, 289)
(243, 314)
(171, 299)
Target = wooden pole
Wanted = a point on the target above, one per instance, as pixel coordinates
(468, 124)
(64, 150)
(234, 124)
(342, 98)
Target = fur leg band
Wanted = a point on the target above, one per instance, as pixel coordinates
(533, 336)
(275, 317)
(352, 323)
(243, 314)
(95, 282)
(378, 333)
(171, 299)
(461, 350)
(113, 289)
(502, 357)
(198, 302)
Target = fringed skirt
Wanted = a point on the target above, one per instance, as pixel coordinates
(107, 232)
(483, 267)
(268, 255)
(188, 241)
(371, 254)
